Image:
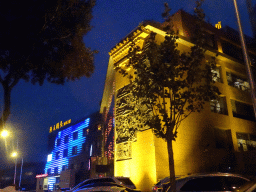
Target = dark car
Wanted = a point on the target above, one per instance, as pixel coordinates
(124, 181)
(208, 182)
(105, 186)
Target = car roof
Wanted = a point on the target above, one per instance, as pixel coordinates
(211, 175)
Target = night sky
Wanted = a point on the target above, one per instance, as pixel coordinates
(35, 108)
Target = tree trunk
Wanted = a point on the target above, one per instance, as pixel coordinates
(171, 165)
(7, 105)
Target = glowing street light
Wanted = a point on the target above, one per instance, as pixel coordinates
(4, 133)
(14, 154)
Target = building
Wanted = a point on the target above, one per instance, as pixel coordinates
(73, 149)
(217, 139)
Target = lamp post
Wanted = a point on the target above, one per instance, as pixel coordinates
(21, 171)
(14, 155)
(246, 58)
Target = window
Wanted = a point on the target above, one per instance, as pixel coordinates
(219, 106)
(223, 138)
(65, 152)
(85, 132)
(216, 74)
(74, 150)
(49, 171)
(56, 170)
(75, 135)
(64, 167)
(232, 50)
(237, 82)
(242, 110)
(57, 155)
(83, 146)
(66, 139)
(209, 40)
(246, 142)
(58, 142)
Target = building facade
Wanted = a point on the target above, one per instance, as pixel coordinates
(71, 149)
(207, 141)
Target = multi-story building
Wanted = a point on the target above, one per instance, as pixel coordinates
(212, 140)
(71, 149)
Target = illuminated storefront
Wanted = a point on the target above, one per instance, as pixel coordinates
(70, 149)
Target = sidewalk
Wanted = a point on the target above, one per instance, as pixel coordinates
(8, 189)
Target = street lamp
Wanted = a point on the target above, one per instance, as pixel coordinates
(5, 134)
(14, 155)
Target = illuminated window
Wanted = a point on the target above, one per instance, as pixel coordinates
(216, 74)
(57, 155)
(58, 142)
(74, 150)
(219, 106)
(65, 152)
(246, 142)
(237, 82)
(75, 135)
(66, 139)
(49, 157)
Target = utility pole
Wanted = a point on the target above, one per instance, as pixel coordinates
(246, 59)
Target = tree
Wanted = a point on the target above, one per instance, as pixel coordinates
(169, 85)
(43, 40)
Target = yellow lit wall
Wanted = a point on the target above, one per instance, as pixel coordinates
(194, 149)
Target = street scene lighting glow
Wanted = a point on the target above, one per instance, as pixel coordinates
(14, 154)
(4, 133)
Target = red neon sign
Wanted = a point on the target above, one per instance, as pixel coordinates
(42, 175)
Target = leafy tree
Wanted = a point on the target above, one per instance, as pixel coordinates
(43, 40)
(168, 85)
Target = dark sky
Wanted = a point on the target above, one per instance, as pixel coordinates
(35, 108)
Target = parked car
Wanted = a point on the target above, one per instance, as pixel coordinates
(208, 182)
(247, 187)
(104, 186)
(124, 181)
(160, 183)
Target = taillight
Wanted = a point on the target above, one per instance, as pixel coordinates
(155, 188)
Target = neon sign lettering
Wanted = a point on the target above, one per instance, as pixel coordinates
(59, 125)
